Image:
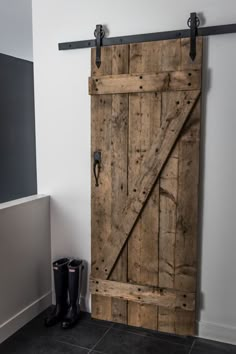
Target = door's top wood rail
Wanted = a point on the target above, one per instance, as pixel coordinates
(143, 294)
(132, 83)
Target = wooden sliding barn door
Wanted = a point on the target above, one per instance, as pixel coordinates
(146, 126)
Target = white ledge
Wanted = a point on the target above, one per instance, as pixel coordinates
(15, 202)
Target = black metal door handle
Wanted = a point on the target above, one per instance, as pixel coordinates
(96, 166)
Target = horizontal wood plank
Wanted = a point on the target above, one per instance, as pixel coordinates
(133, 83)
(151, 168)
(143, 294)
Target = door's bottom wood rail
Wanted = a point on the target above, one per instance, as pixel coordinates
(143, 294)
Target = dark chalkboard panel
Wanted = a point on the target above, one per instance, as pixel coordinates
(17, 129)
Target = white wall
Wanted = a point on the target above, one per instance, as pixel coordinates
(16, 28)
(25, 262)
(63, 132)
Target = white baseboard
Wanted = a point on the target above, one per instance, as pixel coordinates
(24, 316)
(220, 333)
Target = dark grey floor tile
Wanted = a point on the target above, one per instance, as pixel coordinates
(204, 346)
(117, 342)
(84, 334)
(185, 340)
(85, 316)
(41, 345)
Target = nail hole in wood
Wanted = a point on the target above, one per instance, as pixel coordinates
(97, 268)
(184, 305)
(189, 84)
(103, 260)
(106, 270)
(144, 192)
(185, 295)
(96, 282)
(188, 102)
(140, 87)
(139, 289)
(96, 89)
(177, 102)
(135, 190)
(189, 74)
(140, 77)
(96, 80)
(139, 297)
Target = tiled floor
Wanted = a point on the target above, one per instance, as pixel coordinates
(92, 336)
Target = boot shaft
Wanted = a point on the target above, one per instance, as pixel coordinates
(60, 270)
(75, 268)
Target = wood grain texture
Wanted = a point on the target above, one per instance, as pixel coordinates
(145, 118)
(150, 170)
(148, 185)
(119, 167)
(101, 109)
(143, 250)
(168, 203)
(135, 83)
(174, 321)
(144, 294)
(171, 60)
(187, 203)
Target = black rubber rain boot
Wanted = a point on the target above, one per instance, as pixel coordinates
(60, 270)
(75, 269)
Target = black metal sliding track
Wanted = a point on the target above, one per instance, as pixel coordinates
(149, 37)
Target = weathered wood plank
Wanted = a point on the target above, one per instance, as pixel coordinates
(187, 215)
(142, 294)
(187, 201)
(145, 112)
(143, 250)
(136, 83)
(134, 243)
(101, 196)
(119, 166)
(152, 165)
(167, 233)
(171, 60)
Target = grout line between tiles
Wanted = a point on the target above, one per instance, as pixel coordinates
(192, 346)
(93, 348)
(73, 345)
